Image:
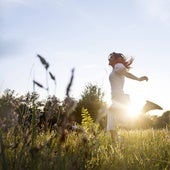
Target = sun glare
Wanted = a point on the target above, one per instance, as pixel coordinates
(134, 109)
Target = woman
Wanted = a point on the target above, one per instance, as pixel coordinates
(120, 100)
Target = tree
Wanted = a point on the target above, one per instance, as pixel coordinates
(164, 120)
(92, 100)
(8, 103)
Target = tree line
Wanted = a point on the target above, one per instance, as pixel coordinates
(54, 114)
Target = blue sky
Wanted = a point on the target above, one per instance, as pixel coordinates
(80, 34)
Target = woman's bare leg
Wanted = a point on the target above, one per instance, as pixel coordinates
(114, 135)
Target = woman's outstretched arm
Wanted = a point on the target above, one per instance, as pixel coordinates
(131, 76)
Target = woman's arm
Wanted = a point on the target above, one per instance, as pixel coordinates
(131, 76)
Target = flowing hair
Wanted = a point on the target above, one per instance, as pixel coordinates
(122, 59)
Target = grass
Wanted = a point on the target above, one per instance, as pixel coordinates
(136, 150)
(25, 147)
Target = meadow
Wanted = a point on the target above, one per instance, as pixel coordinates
(63, 135)
(91, 148)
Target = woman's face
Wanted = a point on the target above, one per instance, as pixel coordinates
(112, 60)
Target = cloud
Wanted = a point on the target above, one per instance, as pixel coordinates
(156, 9)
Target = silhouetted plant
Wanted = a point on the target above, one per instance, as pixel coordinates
(70, 83)
(43, 61)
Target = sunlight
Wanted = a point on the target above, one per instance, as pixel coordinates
(135, 107)
(133, 110)
(138, 95)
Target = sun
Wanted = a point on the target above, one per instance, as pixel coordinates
(138, 95)
(137, 101)
(134, 109)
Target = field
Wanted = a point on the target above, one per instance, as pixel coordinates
(89, 149)
(29, 141)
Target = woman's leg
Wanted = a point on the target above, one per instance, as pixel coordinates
(114, 135)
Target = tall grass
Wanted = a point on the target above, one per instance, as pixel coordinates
(85, 147)
(92, 149)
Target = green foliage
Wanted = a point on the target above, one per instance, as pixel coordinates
(87, 121)
(92, 99)
(164, 120)
(136, 149)
(22, 148)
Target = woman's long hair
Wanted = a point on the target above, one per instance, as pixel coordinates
(122, 59)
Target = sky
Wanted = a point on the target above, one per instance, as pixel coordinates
(80, 34)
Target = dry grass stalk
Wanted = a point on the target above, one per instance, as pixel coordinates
(70, 83)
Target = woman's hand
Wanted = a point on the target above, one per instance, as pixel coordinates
(143, 78)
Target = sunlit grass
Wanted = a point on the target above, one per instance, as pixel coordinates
(136, 149)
